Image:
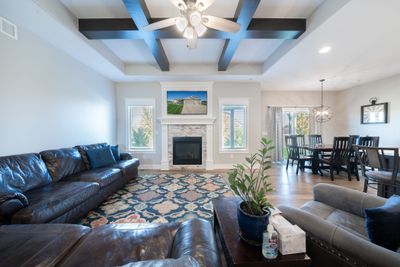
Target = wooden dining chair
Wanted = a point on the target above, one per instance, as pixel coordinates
(375, 168)
(297, 157)
(340, 157)
(314, 139)
(371, 141)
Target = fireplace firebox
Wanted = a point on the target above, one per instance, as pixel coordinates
(187, 151)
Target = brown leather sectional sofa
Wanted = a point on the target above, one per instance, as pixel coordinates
(57, 186)
(190, 243)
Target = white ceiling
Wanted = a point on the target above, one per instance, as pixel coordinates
(208, 51)
(363, 35)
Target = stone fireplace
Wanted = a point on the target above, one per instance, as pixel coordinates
(189, 127)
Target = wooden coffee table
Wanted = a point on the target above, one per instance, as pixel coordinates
(238, 253)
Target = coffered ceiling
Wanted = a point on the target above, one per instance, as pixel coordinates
(362, 34)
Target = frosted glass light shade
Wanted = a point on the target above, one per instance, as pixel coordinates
(181, 23)
(200, 29)
(189, 33)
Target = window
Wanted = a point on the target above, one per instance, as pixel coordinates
(140, 127)
(297, 121)
(234, 127)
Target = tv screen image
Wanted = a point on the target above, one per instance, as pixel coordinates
(186, 102)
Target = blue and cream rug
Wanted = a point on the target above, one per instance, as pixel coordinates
(161, 198)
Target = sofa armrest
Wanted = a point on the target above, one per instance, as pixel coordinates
(196, 238)
(125, 156)
(338, 238)
(11, 203)
(346, 199)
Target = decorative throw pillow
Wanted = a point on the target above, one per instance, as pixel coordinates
(116, 153)
(383, 224)
(100, 157)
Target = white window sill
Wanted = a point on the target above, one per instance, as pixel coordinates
(142, 151)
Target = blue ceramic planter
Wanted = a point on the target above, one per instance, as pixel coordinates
(252, 227)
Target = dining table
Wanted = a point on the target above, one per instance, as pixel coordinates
(317, 150)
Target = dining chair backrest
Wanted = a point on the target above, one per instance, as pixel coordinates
(314, 139)
(290, 140)
(341, 149)
(372, 141)
(376, 158)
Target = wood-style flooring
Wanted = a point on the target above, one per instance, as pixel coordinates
(291, 189)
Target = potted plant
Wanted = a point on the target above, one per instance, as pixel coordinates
(250, 182)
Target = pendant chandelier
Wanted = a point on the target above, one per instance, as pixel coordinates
(322, 113)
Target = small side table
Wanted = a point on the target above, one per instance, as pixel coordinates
(238, 253)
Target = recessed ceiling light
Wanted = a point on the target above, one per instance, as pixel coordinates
(325, 50)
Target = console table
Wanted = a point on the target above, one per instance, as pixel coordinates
(238, 253)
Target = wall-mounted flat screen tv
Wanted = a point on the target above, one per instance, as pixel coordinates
(187, 102)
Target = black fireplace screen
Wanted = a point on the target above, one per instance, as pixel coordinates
(186, 151)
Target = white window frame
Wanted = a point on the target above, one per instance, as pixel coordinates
(140, 102)
(233, 102)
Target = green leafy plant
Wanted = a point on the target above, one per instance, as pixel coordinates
(250, 180)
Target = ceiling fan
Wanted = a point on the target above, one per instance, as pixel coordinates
(192, 22)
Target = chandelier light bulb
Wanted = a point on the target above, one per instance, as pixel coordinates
(181, 23)
(200, 29)
(189, 33)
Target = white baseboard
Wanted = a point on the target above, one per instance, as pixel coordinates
(149, 167)
(223, 166)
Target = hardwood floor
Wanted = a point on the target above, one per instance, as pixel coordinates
(292, 189)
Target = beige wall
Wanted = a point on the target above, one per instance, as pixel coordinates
(386, 90)
(301, 99)
(50, 100)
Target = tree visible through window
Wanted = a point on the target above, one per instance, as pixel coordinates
(141, 127)
(234, 128)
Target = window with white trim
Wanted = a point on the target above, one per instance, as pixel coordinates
(234, 127)
(140, 125)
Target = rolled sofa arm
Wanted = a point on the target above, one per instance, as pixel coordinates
(351, 245)
(125, 156)
(11, 203)
(346, 199)
(196, 238)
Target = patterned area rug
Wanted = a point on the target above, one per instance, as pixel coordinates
(161, 198)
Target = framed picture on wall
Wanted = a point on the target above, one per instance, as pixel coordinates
(187, 102)
(374, 114)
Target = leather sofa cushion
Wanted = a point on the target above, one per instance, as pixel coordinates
(102, 176)
(51, 201)
(37, 245)
(63, 162)
(83, 148)
(101, 157)
(185, 261)
(125, 242)
(128, 167)
(21, 173)
(343, 219)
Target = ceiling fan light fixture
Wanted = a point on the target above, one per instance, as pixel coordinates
(189, 33)
(200, 29)
(195, 18)
(181, 23)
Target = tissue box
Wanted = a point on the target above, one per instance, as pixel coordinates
(291, 239)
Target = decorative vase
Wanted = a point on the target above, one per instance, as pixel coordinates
(251, 227)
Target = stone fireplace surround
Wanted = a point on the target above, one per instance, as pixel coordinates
(187, 125)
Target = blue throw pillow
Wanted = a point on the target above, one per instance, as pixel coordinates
(100, 157)
(383, 224)
(116, 153)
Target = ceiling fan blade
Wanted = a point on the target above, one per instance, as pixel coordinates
(160, 24)
(221, 24)
(179, 4)
(204, 4)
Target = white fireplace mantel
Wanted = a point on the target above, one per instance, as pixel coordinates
(188, 120)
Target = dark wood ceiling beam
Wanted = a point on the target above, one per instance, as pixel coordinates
(139, 13)
(244, 14)
(127, 29)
